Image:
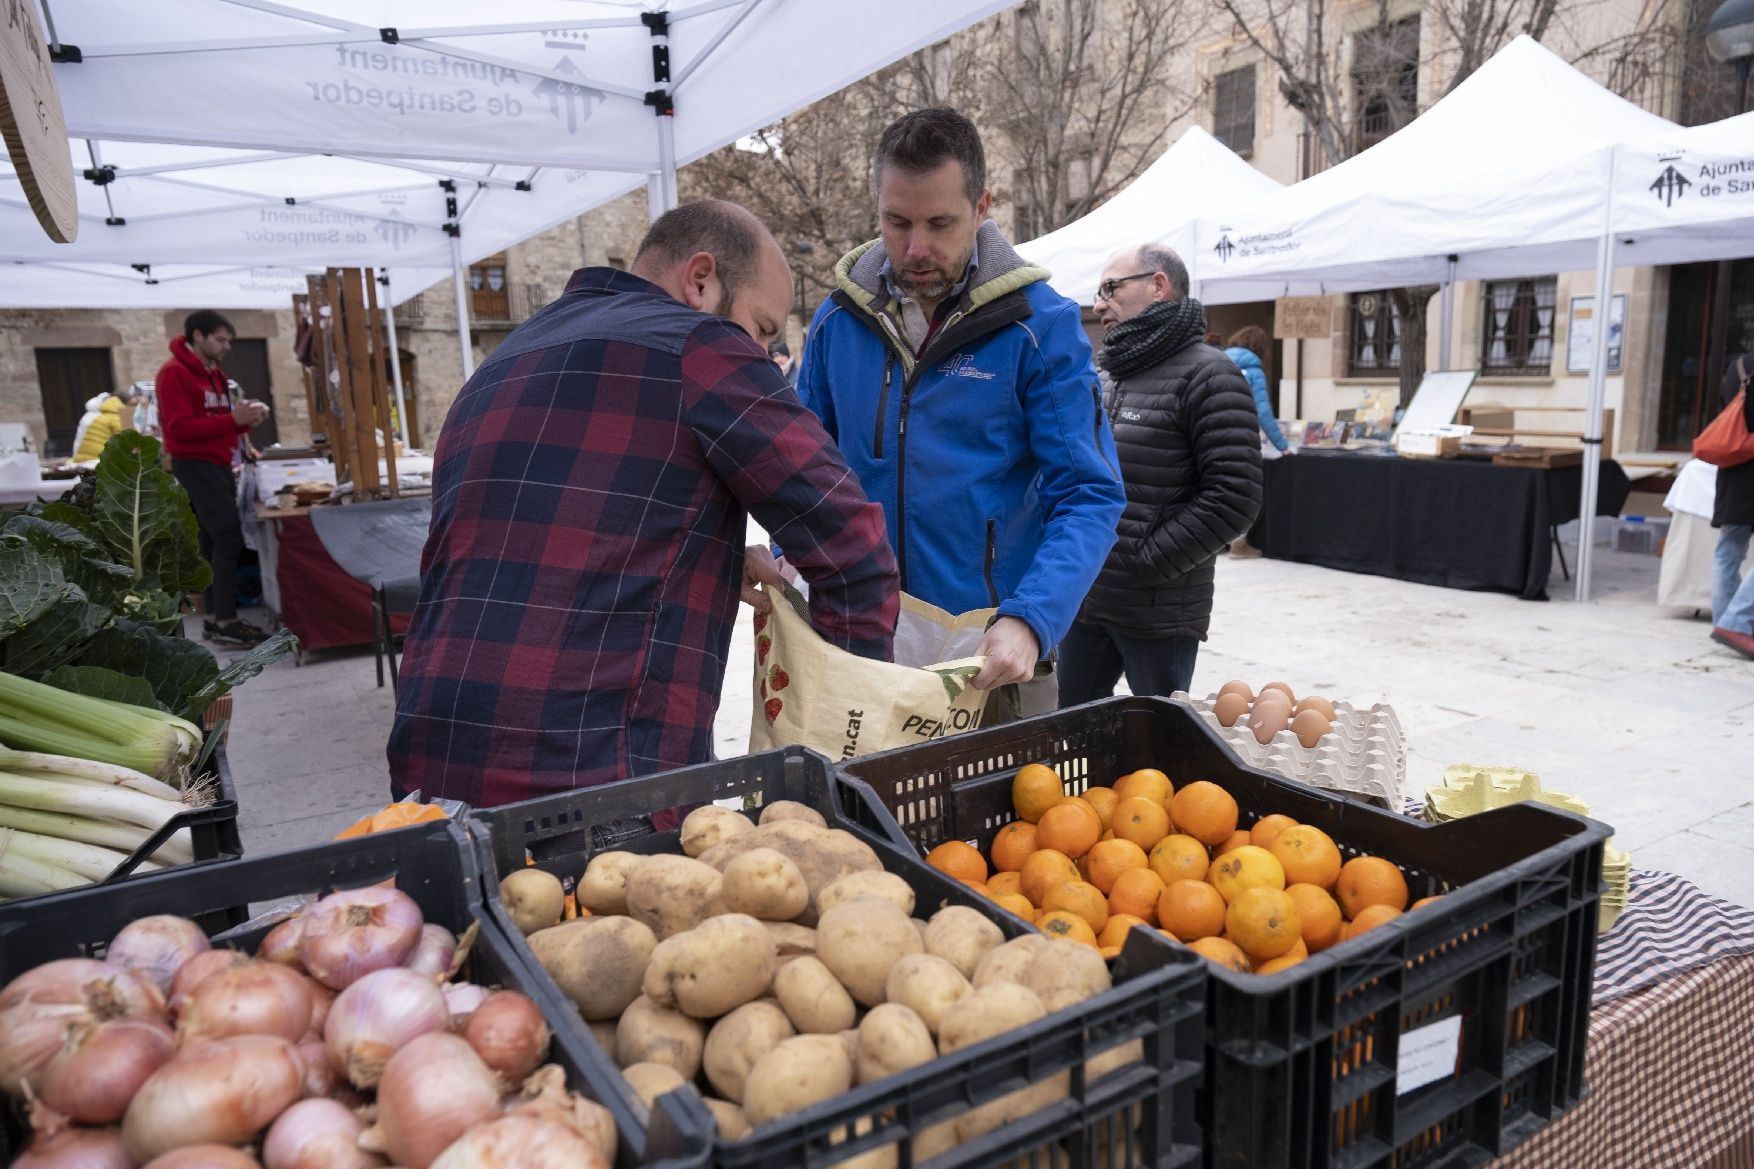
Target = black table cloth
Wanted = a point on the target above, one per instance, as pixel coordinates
(1459, 523)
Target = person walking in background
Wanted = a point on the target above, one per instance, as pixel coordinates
(1247, 350)
(1189, 441)
(782, 357)
(102, 421)
(204, 433)
(1732, 595)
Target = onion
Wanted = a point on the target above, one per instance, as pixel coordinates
(317, 1134)
(462, 998)
(322, 998)
(258, 999)
(508, 1033)
(281, 944)
(375, 1016)
(157, 947)
(101, 1066)
(433, 1090)
(204, 1157)
(433, 952)
(350, 934)
(199, 969)
(545, 1096)
(38, 1007)
(224, 1092)
(521, 1142)
(77, 1148)
(319, 1076)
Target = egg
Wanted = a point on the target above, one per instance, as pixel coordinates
(1237, 687)
(1315, 702)
(1229, 708)
(1281, 686)
(1272, 698)
(1267, 720)
(1310, 726)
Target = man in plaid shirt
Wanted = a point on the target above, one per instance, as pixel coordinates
(590, 487)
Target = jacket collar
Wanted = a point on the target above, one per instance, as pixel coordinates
(606, 279)
(182, 352)
(998, 270)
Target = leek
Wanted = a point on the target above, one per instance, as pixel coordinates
(104, 802)
(45, 718)
(23, 876)
(178, 850)
(89, 861)
(40, 763)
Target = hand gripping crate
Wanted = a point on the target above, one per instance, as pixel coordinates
(1138, 1115)
(1444, 1037)
(433, 863)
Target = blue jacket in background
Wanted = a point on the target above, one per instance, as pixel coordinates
(1250, 365)
(990, 453)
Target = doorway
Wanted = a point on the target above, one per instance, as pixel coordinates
(1711, 322)
(67, 378)
(410, 394)
(247, 365)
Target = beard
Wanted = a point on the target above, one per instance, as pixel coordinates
(933, 285)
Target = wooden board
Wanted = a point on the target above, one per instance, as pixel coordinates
(1303, 318)
(31, 122)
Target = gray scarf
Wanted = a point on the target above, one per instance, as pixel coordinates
(1152, 337)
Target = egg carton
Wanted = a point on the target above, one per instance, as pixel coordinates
(1363, 755)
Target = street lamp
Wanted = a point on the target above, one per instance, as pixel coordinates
(1729, 37)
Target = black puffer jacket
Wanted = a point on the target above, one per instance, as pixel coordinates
(1190, 449)
(1735, 485)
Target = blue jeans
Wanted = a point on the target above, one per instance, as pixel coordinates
(1732, 597)
(1093, 656)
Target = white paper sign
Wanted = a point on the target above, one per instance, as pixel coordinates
(1428, 1054)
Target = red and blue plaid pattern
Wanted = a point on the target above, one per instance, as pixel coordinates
(581, 576)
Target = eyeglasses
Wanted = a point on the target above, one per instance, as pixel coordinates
(1106, 290)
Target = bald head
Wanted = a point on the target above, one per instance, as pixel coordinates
(717, 257)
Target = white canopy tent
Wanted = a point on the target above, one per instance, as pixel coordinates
(1197, 176)
(61, 284)
(1686, 195)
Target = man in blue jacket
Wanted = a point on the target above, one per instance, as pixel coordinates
(960, 388)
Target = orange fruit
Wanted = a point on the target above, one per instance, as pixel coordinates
(959, 859)
(1369, 880)
(1242, 868)
(1079, 897)
(1267, 827)
(1320, 915)
(1297, 950)
(1012, 846)
(1308, 855)
(978, 886)
(1135, 893)
(1204, 811)
(1108, 834)
(1177, 856)
(1263, 922)
(1103, 799)
(1369, 918)
(1424, 901)
(1070, 827)
(1282, 962)
(1140, 820)
(1109, 952)
(1035, 790)
(1115, 932)
(1189, 910)
(1000, 884)
(1221, 952)
(1044, 869)
(1236, 841)
(1109, 859)
(1061, 924)
(1017, 903)
(1146, 783)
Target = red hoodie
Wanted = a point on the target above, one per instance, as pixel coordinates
(194, 408)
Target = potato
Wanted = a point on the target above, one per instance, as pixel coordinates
(651, 1080)
(989, 1011)
(603, 888)
(812, 998)
(849, 1039)
(671, 893)
(859, 940)
(1113, 1059)
(1009, 962)
(649, 1033)
(927, 985)
(738, 1040)
(765, 884)
(919, 928)
(598, 962)
(708, 825)
(886, 885)
(781, 810)
(797, 1073)
(1064, 972)
(534, 900)
(603, 1031)
(728, 1118)
(714, 968)
(962, 937)
(892, 1039)
(791, 940)
(1018, 1105)
(822, 855)
(882, 1157)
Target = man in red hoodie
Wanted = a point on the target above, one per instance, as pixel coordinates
(203, 431)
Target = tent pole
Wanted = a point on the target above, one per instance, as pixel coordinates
(654, 198)
(459, 281)
(1592, 442)
(667, 158)
(1446, 315)
(395, 361)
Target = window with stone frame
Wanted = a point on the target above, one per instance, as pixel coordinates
(1374, 335)
(1517, 329)
(1233, 109)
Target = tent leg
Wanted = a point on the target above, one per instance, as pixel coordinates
(1592, 442)
(654, 198)
(1446, 316)
(396, 366)
(667, 159)
(460, 282)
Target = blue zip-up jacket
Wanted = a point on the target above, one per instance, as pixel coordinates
(990, 453)
(1250, 365)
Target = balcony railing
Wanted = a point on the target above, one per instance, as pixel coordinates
(510, 305)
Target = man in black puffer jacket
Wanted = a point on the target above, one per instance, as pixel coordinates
(1189, 443)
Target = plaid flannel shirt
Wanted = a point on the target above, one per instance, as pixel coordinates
(581, 576)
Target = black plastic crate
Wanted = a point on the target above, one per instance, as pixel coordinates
(1302, 1065)
(433, 863)
(213, 829)
(1140, 1115)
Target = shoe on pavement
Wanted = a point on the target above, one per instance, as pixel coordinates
(239, 634)
(1742, 643)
